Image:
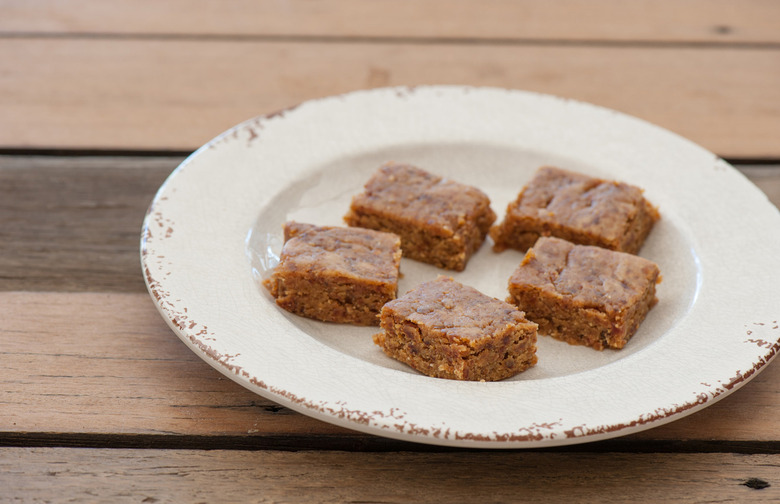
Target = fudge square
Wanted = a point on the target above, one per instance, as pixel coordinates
(577, 208)
(336, 274)
(440, 222)
(584, 295)
(448, 330)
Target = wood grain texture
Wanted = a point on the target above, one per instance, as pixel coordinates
(108, 363)
(236, 476)
(178, 94)
(711, 21)
(97, 363)
(74, 223)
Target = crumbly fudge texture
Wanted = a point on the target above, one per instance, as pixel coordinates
(584, 295)
(336, 274)
(447, 330)
(440, 222)
(577, 208)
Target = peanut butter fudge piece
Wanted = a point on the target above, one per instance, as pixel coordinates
(447, 330)
(336, 274)
(584, 295)
(440, 222)
(577, 208)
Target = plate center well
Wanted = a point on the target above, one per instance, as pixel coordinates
(322, 196)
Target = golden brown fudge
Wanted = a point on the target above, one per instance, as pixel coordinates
(336, 274)
(577, 208)
(440, 222)
(447, 330)
(584, 295)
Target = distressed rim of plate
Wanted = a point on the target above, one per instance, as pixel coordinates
(194, 232)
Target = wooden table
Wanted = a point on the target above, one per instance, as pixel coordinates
(99, 102)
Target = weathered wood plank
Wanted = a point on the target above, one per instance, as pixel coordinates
(73, 223)
(729, 21)
(78, 475)
(177, 94)
(95, 363)
(108, 363)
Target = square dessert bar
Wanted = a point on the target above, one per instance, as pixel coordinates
(577, 208)
(440, 222)
(584, 295)
(447, 330)
(336, 274)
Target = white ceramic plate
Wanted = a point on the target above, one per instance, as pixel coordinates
(215, 226)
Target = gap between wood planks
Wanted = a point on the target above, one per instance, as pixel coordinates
(180, 153)
(730, 21)
(358, 442)
(362, 39)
